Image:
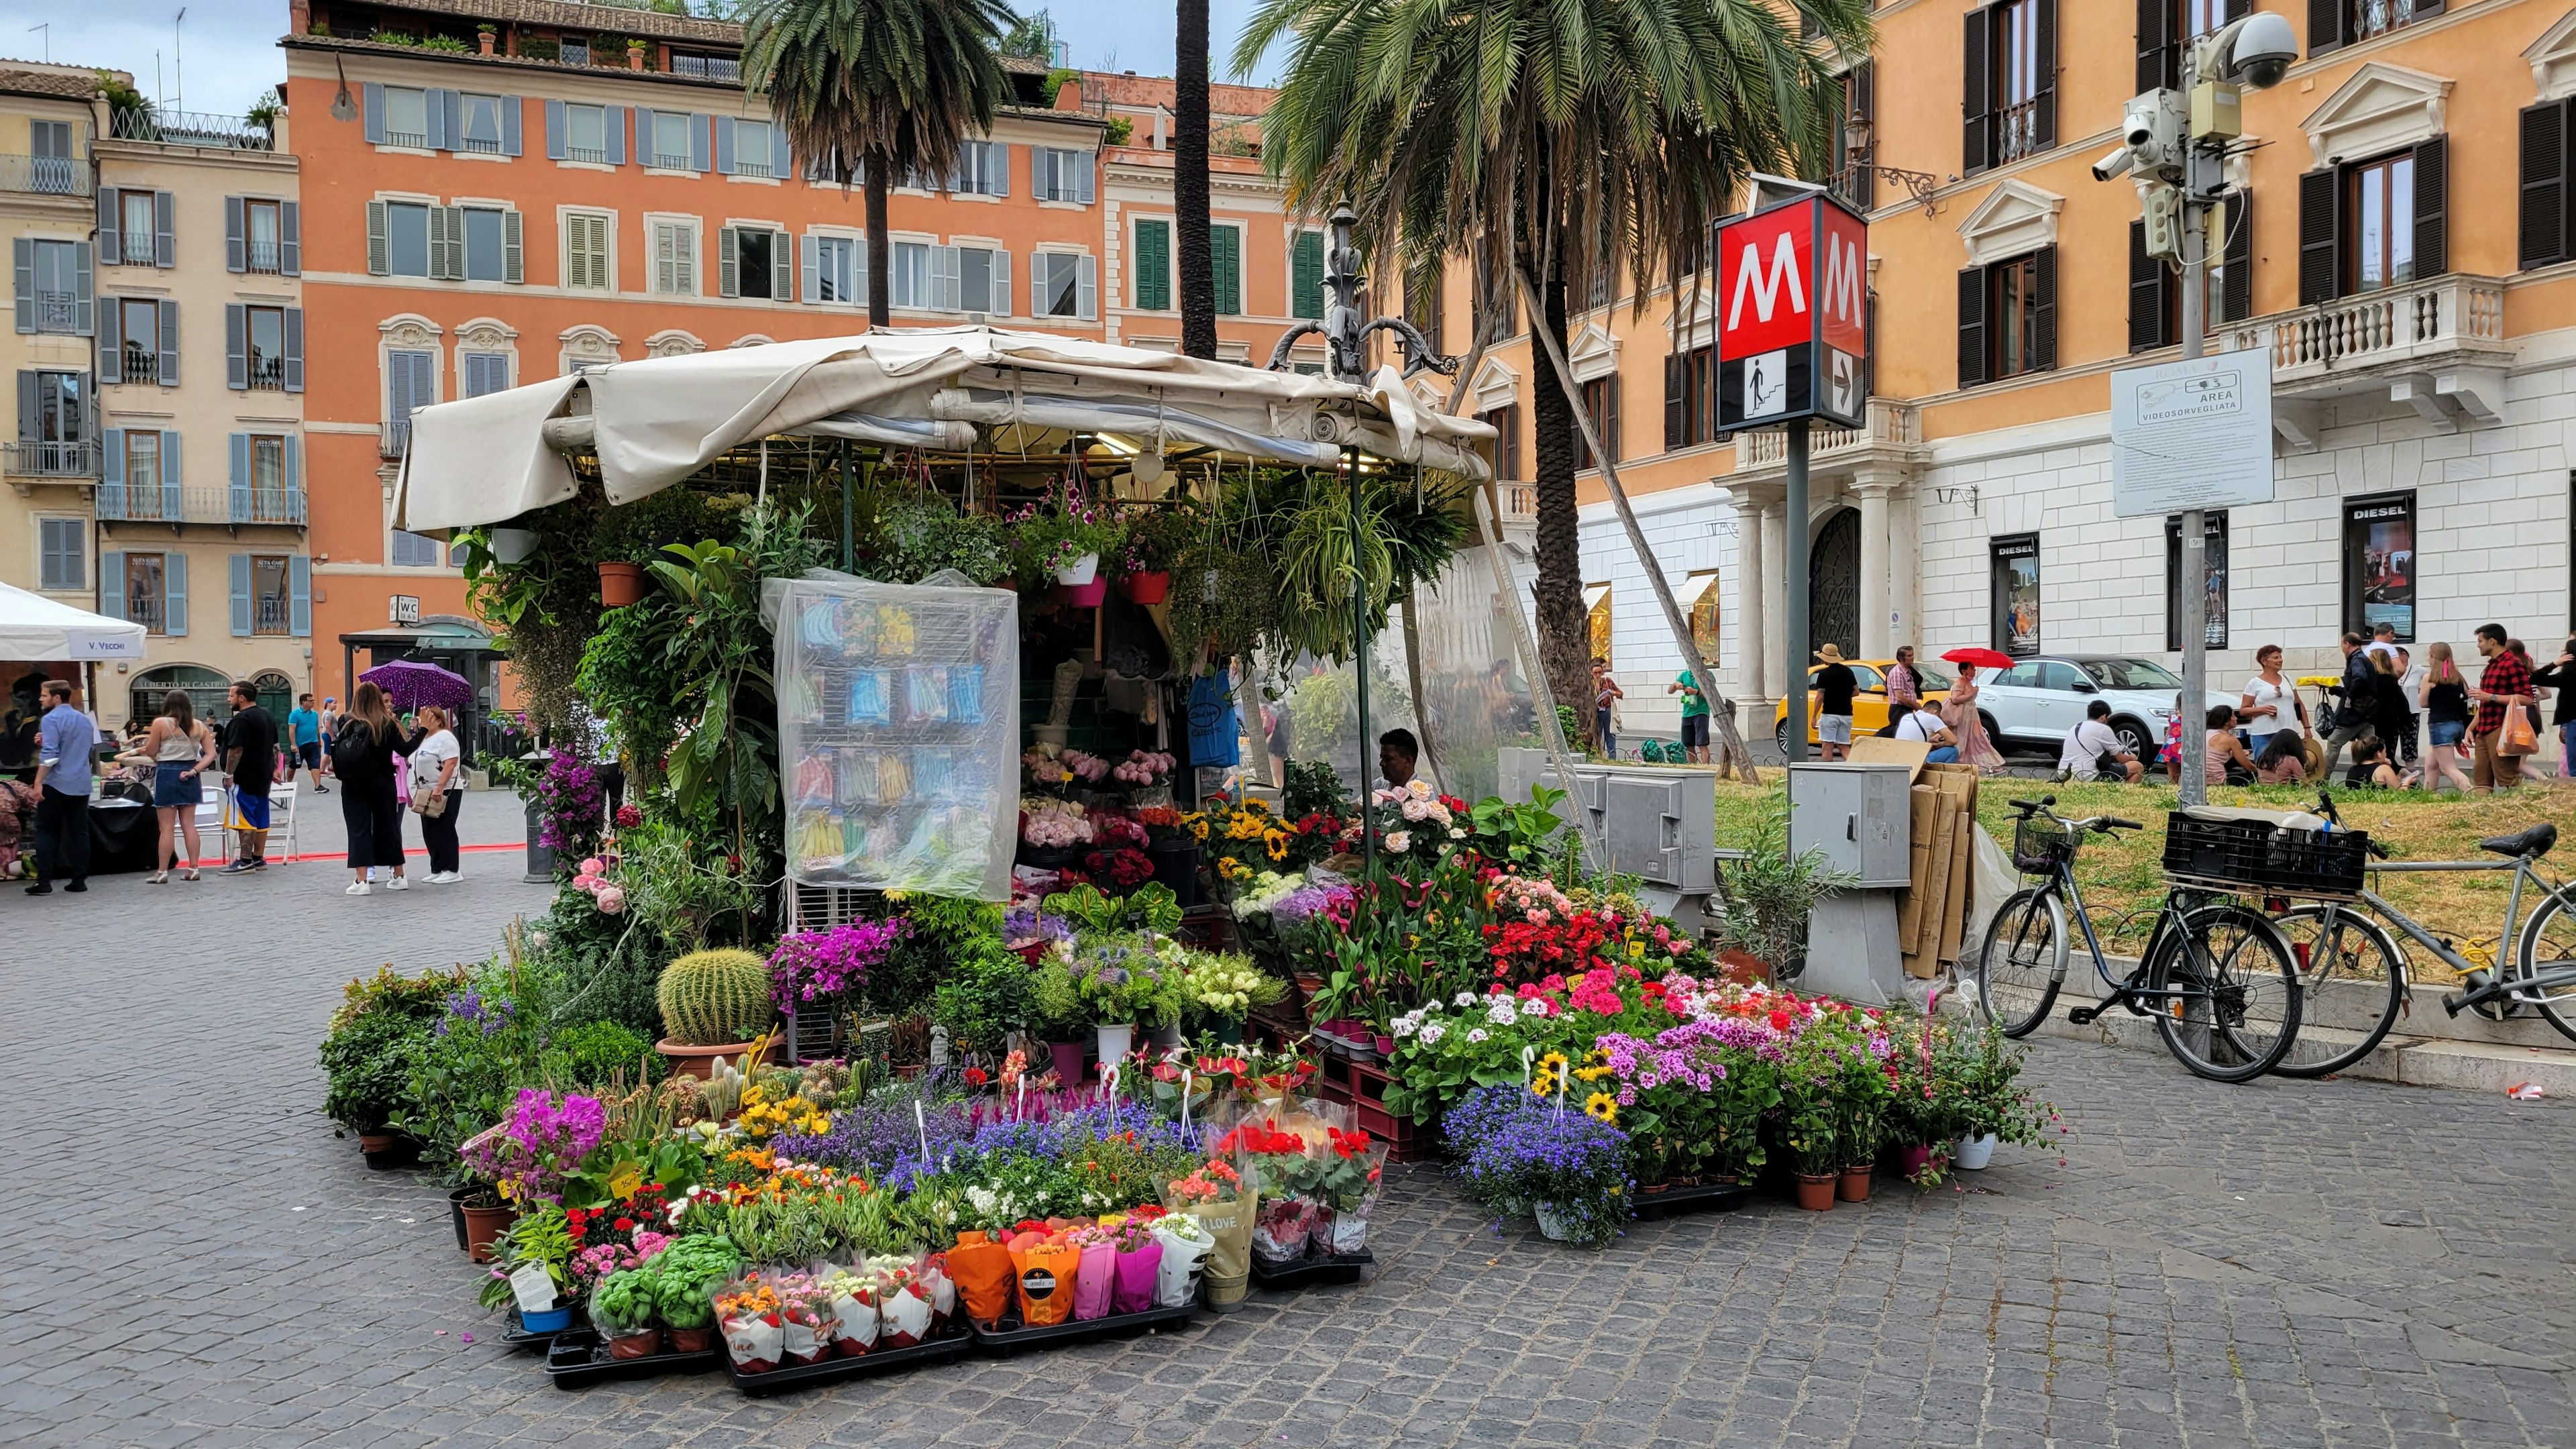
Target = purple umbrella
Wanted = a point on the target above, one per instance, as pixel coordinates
(409, 684)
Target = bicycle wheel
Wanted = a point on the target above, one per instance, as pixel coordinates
(2549, 944)
(2235, 1010)
(2352, 978)
(2022, 960)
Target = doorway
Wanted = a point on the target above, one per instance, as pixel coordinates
(1833, 584)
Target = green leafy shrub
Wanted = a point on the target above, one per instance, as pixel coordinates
(586, 1055)
(368, 1066)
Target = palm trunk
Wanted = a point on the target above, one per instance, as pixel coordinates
(880, 251)
(1562, 648)
(1190, 179)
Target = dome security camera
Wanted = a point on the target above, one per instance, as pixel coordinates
(2262, 51)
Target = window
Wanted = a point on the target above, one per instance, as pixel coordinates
(63, 549)
(2008, 318)
(134, 228)
(406, 117)
(1506, 421)
(1306, 276)
(1425, 306)
(751, 143)
(2014, 316)
(1061, 285)
(2384, 222)
(413, 550)
(270, 482)
(2010, 74)
(1601, 400)
(2379, 564)
(2155, 285)
(2380, 196)
(983, 169)
(264, 237)
(143, 471)
(1061, 175)
(1690, 398)
(483, 372)
(1152, 266)
(138, 321)
(983, 280)
(52, 169)
(147, 591)
(2214, 580)
(586, 250)
(1705, 615)
(54, 425)
(675, 258)
(585, 127)
(837, 269)
(2015, 589)
(53, 286)
(756, 256)
(2366, 18)
(574, 52)
(484, 260)
(411, 382)
(671, 140)
(1853, 180)
(1225, 267)
(406, 239)
(264, 329)
(482, 124)
(908, 275)
(706, 67)
(271, 612)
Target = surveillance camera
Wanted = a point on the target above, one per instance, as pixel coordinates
(2140, 131)
(2113, 166)
(2263, 50)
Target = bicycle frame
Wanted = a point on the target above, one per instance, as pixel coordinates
(2500, 982)
(2062, 882)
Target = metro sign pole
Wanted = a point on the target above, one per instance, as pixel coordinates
(1792, 338)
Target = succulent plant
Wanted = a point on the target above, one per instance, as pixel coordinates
(715, 998)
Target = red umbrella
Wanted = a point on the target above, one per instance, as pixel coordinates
(1982, 658)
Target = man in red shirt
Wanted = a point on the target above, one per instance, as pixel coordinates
(2504, 684)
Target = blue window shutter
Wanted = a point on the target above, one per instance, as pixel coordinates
(169, 342)
(778, 157)
(165, 230)
(111, 585)
(82, 310)
(295, 349)
(299, 596)
(452, 120)
(238, 566)
(433, 120)
(510, 106)
(617, 136)
(174, 593)
(109, 219)
(236, 252)
(375, 113)
(294, 479)
(699, 159)
(111, 475)
(646, 153)
(554, 130)
(808, 259)
(111, 350)
(290, 240)
(170, 479)
(22, 258)
(236, 346)
(724, 145)
(240, 452)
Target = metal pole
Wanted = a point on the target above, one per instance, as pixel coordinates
(1360, 656)
(849, 557)
(2194, 571)
(1797, 605)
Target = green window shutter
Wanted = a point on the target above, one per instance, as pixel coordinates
(1225, 253)
(1153, 266)
(1306, 290)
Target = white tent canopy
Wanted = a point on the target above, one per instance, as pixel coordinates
(33, 628)
(654, 423)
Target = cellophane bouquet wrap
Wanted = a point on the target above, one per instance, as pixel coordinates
(898, 733)
(1274, 1165)
(854, 1309)
(1184, 1243)
(903, 1300)
(1137, 1258)
(625, 1311)
(1346, 1172)
(748, 1314)
(805, 1318)
(1216, 1194)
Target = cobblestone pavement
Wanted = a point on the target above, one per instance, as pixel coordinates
(195, 1259)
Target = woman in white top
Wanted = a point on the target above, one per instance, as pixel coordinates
(437, 794)
(2271, 702)
(181, 750)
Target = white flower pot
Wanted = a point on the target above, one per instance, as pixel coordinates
(513, 545)
(1549, 1226)
(1114, 1042)
(1974, 1153)
(1079, 572)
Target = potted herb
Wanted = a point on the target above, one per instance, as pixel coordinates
(532, 1266)
(625, 1307)
(1767, 896)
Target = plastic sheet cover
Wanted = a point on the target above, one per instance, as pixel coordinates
(898, 722)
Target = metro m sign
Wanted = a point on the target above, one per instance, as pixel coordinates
(1793, 314)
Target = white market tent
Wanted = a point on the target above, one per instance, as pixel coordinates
(654, 423)
(34, 628)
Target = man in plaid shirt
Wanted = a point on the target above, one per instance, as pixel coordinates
(2504, 684)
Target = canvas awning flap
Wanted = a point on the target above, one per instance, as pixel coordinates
(655, 422)
(34, 628)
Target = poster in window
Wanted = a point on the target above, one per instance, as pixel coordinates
(2379, 564)
(2214, 533)
(1596, 612)
(2016, 593)
(1704, 619)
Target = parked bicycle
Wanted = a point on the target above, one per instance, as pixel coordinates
(2217, 977)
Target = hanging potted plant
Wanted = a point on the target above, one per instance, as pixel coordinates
(1155, 538)
(620, 583)
(1066, 541)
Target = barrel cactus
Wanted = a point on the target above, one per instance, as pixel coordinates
(715, 998)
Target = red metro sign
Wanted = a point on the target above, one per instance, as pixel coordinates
(1792, 315)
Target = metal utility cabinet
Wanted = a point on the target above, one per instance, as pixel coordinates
(1859, 818)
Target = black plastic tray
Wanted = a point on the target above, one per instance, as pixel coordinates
(1052, 1335)
(1312, 1272)
(579, 1358)
(1710, 1197)
(823, 1371)
(517, 1335)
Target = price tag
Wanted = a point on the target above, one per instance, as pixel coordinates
(535, 1288)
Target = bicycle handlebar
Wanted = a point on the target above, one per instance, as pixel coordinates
(2032, 807)
(2109, 822)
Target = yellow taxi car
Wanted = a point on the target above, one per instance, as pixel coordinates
(1869, 704)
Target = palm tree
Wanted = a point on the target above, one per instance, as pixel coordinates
(887, 86)
(1579, 133)
(1190, 178)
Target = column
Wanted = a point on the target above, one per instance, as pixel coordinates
(1775, 600)
(1905, 572)
(1750, 630)
(1874, 577)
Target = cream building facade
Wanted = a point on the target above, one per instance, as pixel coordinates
(47, 125)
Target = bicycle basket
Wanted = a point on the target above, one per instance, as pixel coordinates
(2040, 845)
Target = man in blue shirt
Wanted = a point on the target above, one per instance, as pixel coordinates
(63, 759)
(304, 733)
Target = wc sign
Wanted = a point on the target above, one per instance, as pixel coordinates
(1792, 315)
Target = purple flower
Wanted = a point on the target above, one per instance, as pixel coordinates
(818, 965)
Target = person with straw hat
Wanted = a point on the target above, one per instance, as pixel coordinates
(1835, 685)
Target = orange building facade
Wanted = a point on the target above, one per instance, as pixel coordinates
(513, 190)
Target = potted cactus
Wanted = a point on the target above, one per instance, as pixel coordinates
(714, 1004)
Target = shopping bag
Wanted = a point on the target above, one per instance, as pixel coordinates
(2517, 737)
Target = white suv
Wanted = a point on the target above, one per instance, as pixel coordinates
(2037, 701)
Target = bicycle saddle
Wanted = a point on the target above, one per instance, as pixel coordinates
(2534, 842)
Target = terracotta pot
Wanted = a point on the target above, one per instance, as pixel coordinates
(688, 1340)
(372, 1143)
(484, 1227)
(700, 1061)
(620, 584)
(1744, 969)
(1652, 1188)
(1085, 596)
(1145, 588)
(486, 41)
(1816, 1191)
(1854, 1186)
(636, 1345)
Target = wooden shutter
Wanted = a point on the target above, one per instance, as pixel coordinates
(376, 262)
(616, 135)
(1862, 101)
(1972, 326)
(2236, 294)
(554, 130)
(1676, 399)
(299, 590)
(1225, 256)
(237, 450)
(237, 569)
(724, 145)
(809, 282)
(1306, 286)
(111, 340)
(290, 239)
(2159, 45)
(165, 230)
(1976, 103)
(22, 266)
(699, 157)
(1153, 266)
(510, 108)
(174, 586)
(2043, 101)
(2325, 25)
(728, 266)
(2320, 242)
(1086, 289)
(30, 403)
(82, 319)
(375, 108)
(2147, 293)
(111, 578)
(514, 248)
(236, 346)
(2541, 233)
(109, 219)
(171, 480)
(1609, 419)
(2043, 330)
(2432, 207)
(236, 251)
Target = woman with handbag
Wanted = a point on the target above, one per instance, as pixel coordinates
(364, 756)
(437, 794)
(2560, 674)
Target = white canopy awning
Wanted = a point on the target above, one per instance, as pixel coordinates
(654, 423)
(33, 627)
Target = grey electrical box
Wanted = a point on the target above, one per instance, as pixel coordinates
(1659, 825)
(1859, 816)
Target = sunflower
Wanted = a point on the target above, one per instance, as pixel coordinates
(1553, 1062)
(1544, 1083)
(1602, 1107)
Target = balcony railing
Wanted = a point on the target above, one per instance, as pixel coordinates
(2438, 318)
(671, 161)
(264, 257)
(744, 166)
(266, 374)
(1890, 425)
(57, 312)
(1520, 503)
(2378, 17)
(416, 140)
(707, 67)
(133, 249)
(119, 503)
(393, 436)
(49, 175)
(2016, 131)
(592, 154)
(271, 614)
(138, 363)
(190, 128)
(29, 458)
(147, 610)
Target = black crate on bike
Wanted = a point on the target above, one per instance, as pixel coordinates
(2259, 853)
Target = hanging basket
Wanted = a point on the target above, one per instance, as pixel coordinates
(1089, 595)
(620, 584)
(1146, 588)
(1081, 571)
